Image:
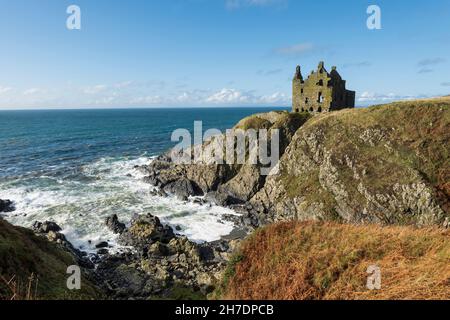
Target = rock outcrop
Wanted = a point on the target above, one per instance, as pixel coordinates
(6, 206)
(383, 164)
(161, 263)
(386, 164)
(113, 224)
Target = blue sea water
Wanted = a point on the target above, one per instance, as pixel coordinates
(76, 167)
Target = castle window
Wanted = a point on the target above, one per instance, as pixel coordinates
(311, 109)
(306, 100)
(320, 109)
(320, 98)
(320, 83)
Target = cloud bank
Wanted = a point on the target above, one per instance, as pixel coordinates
(130, 94)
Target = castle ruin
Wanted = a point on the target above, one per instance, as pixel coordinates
(321, 92)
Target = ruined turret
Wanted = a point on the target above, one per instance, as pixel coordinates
(298, 75)
(321, 92)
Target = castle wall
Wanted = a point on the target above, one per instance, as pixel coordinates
(321, 92)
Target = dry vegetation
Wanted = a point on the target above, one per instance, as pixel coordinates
(15, 289)
(297, 261)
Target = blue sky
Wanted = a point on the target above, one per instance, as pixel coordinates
(144, 53)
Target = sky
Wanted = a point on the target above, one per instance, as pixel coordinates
(195, 53)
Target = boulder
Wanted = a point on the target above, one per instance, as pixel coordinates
(101, 245)
(6, 206)
(102, 251)
(222, 199)
(113, 224)
(144, 231)
(45, 227)
(183, 188)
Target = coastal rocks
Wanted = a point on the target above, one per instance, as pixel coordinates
(51, 231)
(163, 263)
(45, 227)
(113, 224)
(182, 188)
(224, 184)
(221, 199)
(6, 206)
(146, 230)
(102, 245)
(378, 165)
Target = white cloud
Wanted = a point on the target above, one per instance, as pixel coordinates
(32, 91)
(372, 97)
(132, 94)
(236, 97)
(4, 90)
(227, 96)
(95, 89)
(276, 98)
(124, 84)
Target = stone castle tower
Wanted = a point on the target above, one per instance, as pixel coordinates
(321, 92)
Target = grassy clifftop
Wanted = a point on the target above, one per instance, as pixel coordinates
(311, 260)
(23, 254)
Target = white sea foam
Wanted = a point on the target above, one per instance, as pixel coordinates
(112, 186)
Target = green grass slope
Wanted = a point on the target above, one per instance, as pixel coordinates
(23, 254)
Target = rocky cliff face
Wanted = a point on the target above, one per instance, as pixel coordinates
(241, 181)
(387, 164)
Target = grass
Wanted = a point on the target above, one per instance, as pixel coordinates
(24, 256)
(312, 260)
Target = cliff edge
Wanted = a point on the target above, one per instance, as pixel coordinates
(386, 164)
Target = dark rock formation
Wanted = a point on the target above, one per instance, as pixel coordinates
(102, 245)
(225, 184)
(182, 188)
(113, 223)
(144, 231)
(6, 206)
(45, 227)
(162, 263)
(222, 199)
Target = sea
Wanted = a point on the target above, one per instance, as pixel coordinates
(76, 167)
